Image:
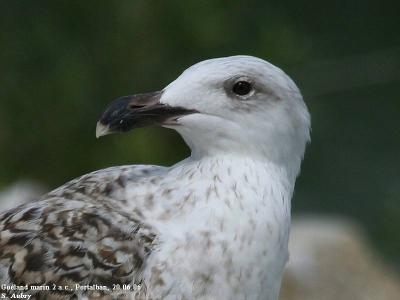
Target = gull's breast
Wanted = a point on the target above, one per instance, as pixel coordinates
(226, 231)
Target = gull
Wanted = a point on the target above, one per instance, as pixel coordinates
(213, 226)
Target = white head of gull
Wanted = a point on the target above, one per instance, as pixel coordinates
(214, 226)
(245, 106)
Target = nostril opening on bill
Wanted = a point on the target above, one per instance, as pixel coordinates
(136, 106)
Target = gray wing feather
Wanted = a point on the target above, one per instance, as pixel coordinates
(77, 234)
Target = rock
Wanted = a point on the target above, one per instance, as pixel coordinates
(20, 192)
(331, 259)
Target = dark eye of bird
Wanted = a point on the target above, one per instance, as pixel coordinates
(241, 88)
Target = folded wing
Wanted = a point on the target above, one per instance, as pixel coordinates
(77, 234)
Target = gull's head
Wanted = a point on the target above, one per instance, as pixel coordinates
(241, 105)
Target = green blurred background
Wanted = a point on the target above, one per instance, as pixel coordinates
(61, 62)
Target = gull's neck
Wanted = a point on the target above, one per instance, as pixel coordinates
(287, 170)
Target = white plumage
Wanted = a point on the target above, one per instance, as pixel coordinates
(214, 226)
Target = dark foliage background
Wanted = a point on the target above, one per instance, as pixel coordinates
(61, 62)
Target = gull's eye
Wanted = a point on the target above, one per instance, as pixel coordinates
(242, 88)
